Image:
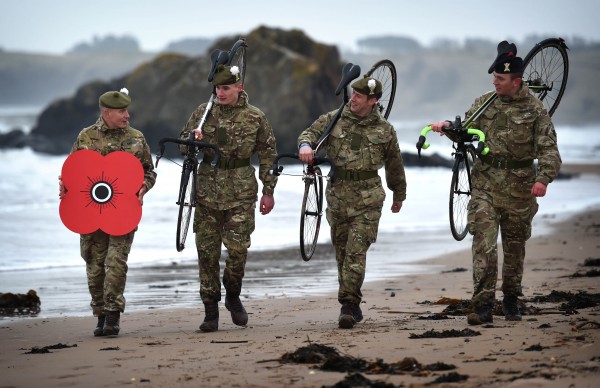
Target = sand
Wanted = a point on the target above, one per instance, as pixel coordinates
(163, 347)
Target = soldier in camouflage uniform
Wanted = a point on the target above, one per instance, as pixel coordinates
(505, 183)
(360, 143)
(106, 255)
(226, 194)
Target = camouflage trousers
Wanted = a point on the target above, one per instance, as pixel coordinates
(352, 236)
(232, 228)
(514, 222)
(106, 266)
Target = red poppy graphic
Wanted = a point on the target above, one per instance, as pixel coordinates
(101, 192)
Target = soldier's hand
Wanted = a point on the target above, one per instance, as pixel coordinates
(438, 126)
(306, 154)
(141, 194)
(396, 206)
(538, 189)
(62, 190)
(267, 202)
(199, 136)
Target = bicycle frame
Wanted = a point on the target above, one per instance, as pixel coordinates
(312, 203)
(349, 73)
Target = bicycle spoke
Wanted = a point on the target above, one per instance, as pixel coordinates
(546, 72)
(460, 193)
(385, 72)
(186, 206)
(238, 58)
(312, 207)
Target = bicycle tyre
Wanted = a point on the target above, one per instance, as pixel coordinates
(186, 202)
(385, 72)
(312, 211)
(546, 70)
(460, 193)
(237, 57)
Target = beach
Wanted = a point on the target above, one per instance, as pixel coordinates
(550, 347)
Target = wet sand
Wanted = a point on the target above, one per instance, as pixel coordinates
(162, 347)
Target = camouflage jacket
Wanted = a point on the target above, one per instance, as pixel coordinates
(240, 131)
(517, 128)
(361, 144)
(98, 137)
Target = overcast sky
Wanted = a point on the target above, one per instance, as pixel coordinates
(56, 26)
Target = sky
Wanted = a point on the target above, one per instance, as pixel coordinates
(55, 26)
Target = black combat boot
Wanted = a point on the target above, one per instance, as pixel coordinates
(99, 330)
(356, 312)
(346, 319)
(480, 315)
(510, 308)
(211, 317)
(111, 324)
(239, 316)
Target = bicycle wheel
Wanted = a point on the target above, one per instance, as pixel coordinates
(312, 208)
(237, 57)
(460, 192)
(385, 72)
(186, 203)
(546, 71)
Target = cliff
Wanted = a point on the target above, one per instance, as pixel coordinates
(289, 76)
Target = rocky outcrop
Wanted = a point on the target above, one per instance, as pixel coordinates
(289, 76)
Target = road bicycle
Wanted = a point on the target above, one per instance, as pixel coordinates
(546, 69)
(186, 199)
(312, 202)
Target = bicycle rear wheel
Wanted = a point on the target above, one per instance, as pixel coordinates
(312, 210)
(460, 192)
(237, 57)
(186, 203)
(546, 71)
(385, 72)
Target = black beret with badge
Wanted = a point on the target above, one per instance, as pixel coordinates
(506, 61)
(368, 85)
(115, 100)
(226, 75)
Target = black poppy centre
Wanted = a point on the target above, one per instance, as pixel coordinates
(102, 191)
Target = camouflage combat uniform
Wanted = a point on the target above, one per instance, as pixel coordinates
(518, 130)
(357, 147)
(227, 195)
(105, 255)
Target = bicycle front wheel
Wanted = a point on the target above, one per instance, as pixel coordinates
(385, 72)
(237, 57)
(312, 210)
(186, 203)
(460, 192)
(546, 72)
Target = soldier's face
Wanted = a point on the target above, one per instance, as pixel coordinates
(115, 118)
(360, 104)
(229, 94)
(505, 85)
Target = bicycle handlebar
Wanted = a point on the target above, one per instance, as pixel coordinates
(190, 143)
(277, 169)
(481, 149)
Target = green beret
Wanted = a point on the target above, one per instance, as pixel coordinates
(226, 75)
(369, 86)
(115, 100)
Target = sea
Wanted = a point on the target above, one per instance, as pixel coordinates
(37, 252)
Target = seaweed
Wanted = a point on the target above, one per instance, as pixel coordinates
(446, 334)
(572, 301)
(46, 349)
(358, 380)
(332, 361)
